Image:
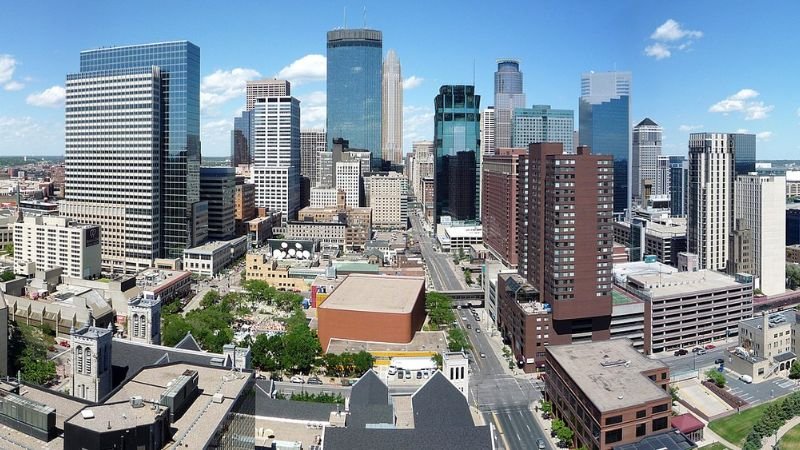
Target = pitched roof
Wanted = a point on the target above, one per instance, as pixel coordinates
(647, 121)
(369, 402)
(687, 423)
(189, 343)
(439, 404)
(458, 438)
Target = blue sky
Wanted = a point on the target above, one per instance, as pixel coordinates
(708, 66)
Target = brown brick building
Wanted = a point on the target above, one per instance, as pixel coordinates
(523, 320)
(374, 308)
(244, 201)
(608, 393)
(499, 204)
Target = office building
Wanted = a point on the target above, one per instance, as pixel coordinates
(766, 347)
(218, 188)
(662, 184)
(342, 152)
(741, 252)
(387, 195)
(392, 114)
(644, 158)
(499, 208)
(266, 88)
(678, 185)
(241, 139)
(663, 238)
(793, 224)
(325, 173)
(244, 204)
(487, 131)
(540, 123)
(209, 259)
(332, 224)
(348, 179)
(621, 395)
(565, 234)
(710, 198)
(429, 199)
(334, 233)
(44, 243)
(744, 152)
(312, 141)
(508, 96)
(760, 201)
(604, 118)
(276, 171)
(423, 166)
(457, 152)
(354, 100)
(327, 197)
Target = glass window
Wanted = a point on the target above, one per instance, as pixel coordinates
(613, 436)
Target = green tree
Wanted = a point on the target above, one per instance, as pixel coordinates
(317, 398)
(564, 434)
(267, 353)
(301, 345)
(7, 275)
(793, 276)
(794, 371)
(440, 309)
(258, 291)
(9, 249)
(716, 377)
(211, 298)
(467, 276)
(27, 353)
(546, 407)
(437, 358)
(362, 362)
(457, 340)
(673, 392)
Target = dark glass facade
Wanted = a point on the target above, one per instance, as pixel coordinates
(744, 153)
(179, 63)
(457, 149)
(678, 177)
(241, 147)
(355, 67)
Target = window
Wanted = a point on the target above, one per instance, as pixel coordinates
(79, 359)
(614, 436)
(660, 408)
(87, 354)
(640, 414)
(613, 419)
(660, 423)
(641, 429)
(664, 376)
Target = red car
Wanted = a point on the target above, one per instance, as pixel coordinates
(710, 346)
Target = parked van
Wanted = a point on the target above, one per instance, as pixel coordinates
(746, 379)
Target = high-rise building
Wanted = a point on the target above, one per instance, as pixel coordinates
(392, 115)
(457, 149)
(244, 201)
(387, 194)
(46, 242)
(312, 141)
(565, 233)
(508, 96)
(325, 173)
(710, 198)
(487, 131)
(241, 139)
(266, 88)
(499, 207)
(423, 166)
(760, 202)
(644, 157)
(348, 179)
(744, 152)
(218, 188)
(678, 185)
(355, 60)
(540, 123)
(276, 171)
(122, 188)
(604, 124)
(662, 186)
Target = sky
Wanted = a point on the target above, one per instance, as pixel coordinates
(725, 66)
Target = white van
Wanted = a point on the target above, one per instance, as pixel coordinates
(746, 379)
(392, 370)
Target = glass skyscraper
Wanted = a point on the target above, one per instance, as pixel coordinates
(355, 64)
(457, 148)
(604, 124)
(508, 96)
(179, 64)
(744, 152)
(241, 139)
(678, 179)
(540, 123)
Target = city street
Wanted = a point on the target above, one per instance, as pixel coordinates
(440, 267)
(692, 361)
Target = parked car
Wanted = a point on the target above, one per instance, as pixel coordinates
(408, 374)
(477, 330)
(297, 379)
(276, 377)
(483, 355)
(477, 318)
(540, 443)
(746, 379)
(719, 361)
(696, 349)
(419, 375)
(681, 352)
(702, 351)
(400, 374)
(314, 380)
(469, 326)
(710, 347)
(392, 370)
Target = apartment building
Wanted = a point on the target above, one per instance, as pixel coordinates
(46, 242)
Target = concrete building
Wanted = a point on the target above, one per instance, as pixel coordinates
(276, 272)
(793, 254)
(209, 259)
(663, 177)
(644, 160)
(312, 141)
(429, 200)
(566, 236)
(348, 179)
(741, 254)
(324, 232)
(540, 123)
(620, 394)
(386, 194)
(43, 243)
(244, 203)
(662, 238)
(260, 229)
(91, 367)
(327, 198)
(499, 208)
(326, 177)
(218, 188)
(767, 346)
(487, 131)
(710, 198)
(455, 367)
(144, 319)
(373, 308)
(392, 112)
(265, 88)
(686, 309)
(760, 202)
(356, 223)
(454, 239)
(423, 166)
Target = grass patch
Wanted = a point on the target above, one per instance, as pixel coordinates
(791, 440)
(714, 446)
(736, 427)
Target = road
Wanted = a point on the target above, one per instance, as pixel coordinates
(692, 361)
(440, 267)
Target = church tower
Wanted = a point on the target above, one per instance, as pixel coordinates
(91, 363)
(144, 319)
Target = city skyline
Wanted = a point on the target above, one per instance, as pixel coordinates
(662, 51)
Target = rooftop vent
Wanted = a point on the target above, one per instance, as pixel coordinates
(137, 402)
(615, 363)
(87, 414)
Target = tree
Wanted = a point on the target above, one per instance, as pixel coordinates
(258, 291)
(362, 362)
(673, 392)
(564, 434)
(457, 340)
(546, 407)
(437, 358)
(794, 371)
(211, 298)
(716, 377)
(7, 275)
(267, 353)
(27, 353)
(9, 249)
(793, 276)
(467, 276)
(300, 343)
(440, 309)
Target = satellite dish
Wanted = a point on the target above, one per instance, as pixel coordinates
(298, 245)
(292, 252)
(276, 253)
(284, 245)
(306, 254)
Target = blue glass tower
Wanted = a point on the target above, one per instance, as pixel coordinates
(457, 148)
(508, 96)
(241, 142)
(678, 179)
(179, 63)
(604, 124)
(744, 152)
(355, 64)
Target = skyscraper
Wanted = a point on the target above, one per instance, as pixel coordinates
(604, 118)
(744, 152)
(540, 123)
(423, 166)
(218, 188)
(663, 175)
(710, 198)
(646, 150)
(499, 206)
(241, 139)
(266, 88)
(678, 185)
(312, 140)
(143, 191)
(355, 59)
(276, 170)
(392, 115)
(508, 96)
(457, 149)
(487, 131)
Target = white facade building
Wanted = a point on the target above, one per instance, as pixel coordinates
(760, 201)
(312, 141)
(324, 197)
(423, 165)
(646, 150)
(209, 259)
(710, 198)
(392, 114)
(348, 179)
(487, 131)
(266, 88)
(91, 363)
(43, 243)
(387, 195)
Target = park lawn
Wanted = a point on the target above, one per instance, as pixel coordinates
(791, 440)
(736, 427)
(714, 446)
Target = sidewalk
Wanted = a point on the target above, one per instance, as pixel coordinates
(546, 425)
(496, 342)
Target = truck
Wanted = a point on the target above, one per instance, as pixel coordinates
(411, 364)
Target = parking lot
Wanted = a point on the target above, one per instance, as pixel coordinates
(762, 392)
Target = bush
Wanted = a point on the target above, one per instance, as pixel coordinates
(716, 377)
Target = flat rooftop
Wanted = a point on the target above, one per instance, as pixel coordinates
(211, 247)
(376, 293)
(614, 386)
(117, 416)
(774, 320)
(679, 283)
(623, 270)
(434, 341)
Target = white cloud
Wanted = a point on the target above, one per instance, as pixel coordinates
(417, 124)
(26, 135)
(52, 97)
(672, 31)
(216, 137)
(412, 82)
(657, 51)
(670, 37)
(764, 135)
(743, 131)
(742, 101)
(7, 67)
(13, 86)
(224, 85)
(313, 111)
(688, 128)
(309, 68)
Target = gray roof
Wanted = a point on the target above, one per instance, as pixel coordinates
(369, 402)
(439, 404)
(290, 409)
(189, 343)
(668, 440)
(647, 121)
(458, 438)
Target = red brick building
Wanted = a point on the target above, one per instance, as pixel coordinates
(499, 204)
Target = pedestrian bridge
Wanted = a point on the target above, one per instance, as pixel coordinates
(466, 297)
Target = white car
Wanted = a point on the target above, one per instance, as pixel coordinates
(297, 379)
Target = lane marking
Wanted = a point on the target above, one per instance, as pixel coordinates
(502, 432)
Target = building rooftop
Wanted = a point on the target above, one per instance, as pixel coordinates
(116, 416)
(679, 283)
(609, 373)
(784, 318)
(211, 247)
(376, 293)
(464, 232)
(667, 440)
(433, 341)
(623, 270)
